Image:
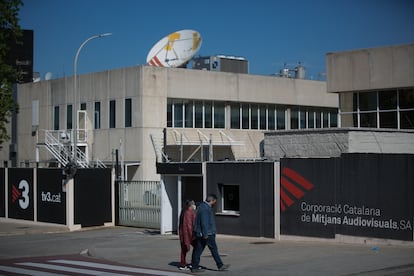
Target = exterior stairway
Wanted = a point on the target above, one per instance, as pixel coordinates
(59, 144)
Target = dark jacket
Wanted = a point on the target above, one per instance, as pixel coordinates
(204, 224)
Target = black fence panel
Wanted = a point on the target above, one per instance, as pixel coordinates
(92, 197)
(51, 200)
(2, 194)
(304, 183)
(365, 195)
(20, 193)
(253, 193)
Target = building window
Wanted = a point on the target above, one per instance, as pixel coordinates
(302, 119)
(262, 117)
(311, 119)
(333, 119)
(198, 114)
(407, 119)
(235, 116)
(97, 115)
(219, 115)
(230, 199)
(271, 118)
(245, 111)
(325, 119)
(56, 118)
(83, 106)
(254, 111)
(112, 114)
(368, 101)
(188, 112)
(391, 108)
(294, 119)
(128, 112)
(208, 115)
(388, 120)
(178, 114)
(281, 118)
(69, 115)
(169, 113)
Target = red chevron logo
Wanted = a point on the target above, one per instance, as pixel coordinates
(292, 185)
(15, 194)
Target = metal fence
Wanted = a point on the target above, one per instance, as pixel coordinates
(140, 203)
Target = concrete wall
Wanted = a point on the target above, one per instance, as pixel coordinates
(334, 142)
(367, 69)
(195, 84)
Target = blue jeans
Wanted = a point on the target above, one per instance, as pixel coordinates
(211, 244)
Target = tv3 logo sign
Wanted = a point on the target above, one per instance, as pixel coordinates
(292, 184)
(21, 194)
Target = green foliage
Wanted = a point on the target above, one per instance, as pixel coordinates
(9, 31)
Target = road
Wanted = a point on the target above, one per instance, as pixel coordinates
(247, 256)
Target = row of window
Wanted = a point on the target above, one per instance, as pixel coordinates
(379, 109)
(214, 114)
(96, 115)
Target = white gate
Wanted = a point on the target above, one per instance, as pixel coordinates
(140, 203)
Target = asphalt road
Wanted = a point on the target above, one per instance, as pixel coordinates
(247, 256)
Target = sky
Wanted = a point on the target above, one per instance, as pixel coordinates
(268, 33)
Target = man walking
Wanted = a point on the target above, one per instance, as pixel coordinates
(205, 232)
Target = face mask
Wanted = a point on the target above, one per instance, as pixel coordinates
(194, 207)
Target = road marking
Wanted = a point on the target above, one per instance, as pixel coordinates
(24, 271)
(68, 269)
(119, 268)
(64, 265)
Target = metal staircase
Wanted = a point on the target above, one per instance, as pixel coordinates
(59, 144)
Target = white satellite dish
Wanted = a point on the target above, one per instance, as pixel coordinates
(175, 50)
(48, 76)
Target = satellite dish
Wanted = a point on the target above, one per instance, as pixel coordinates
(175, 50)
(48, 76)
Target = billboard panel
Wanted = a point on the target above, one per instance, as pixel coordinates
(20, 193)
(365, 195)
(51, 200)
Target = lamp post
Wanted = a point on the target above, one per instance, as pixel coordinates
(75, 92)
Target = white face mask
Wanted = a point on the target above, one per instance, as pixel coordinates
(194, 207)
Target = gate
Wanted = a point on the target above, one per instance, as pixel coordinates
(140, 203)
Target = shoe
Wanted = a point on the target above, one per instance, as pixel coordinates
(223, 267)
(197, 270)
(183, 268)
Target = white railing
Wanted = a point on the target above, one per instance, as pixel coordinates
(59, 144)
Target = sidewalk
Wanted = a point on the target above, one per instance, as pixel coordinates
(10, 227)
(247, 256)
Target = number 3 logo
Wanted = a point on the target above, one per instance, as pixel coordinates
(24, 201)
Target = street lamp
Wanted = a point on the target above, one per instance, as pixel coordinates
(75, 92)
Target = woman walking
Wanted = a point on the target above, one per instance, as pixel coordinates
(185, 231)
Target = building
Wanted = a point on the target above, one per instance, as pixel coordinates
(375, 86)
(20, 55)
(329, 177)
(206, 116)
(376, 107)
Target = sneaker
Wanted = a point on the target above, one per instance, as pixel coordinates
(197, 270)
(183, 268)
(223, 267)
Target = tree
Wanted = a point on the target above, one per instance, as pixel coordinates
(9, 32)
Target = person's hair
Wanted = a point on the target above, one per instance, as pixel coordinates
(186, 205)
(211, 197)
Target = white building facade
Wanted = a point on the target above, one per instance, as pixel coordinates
(147, 113)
